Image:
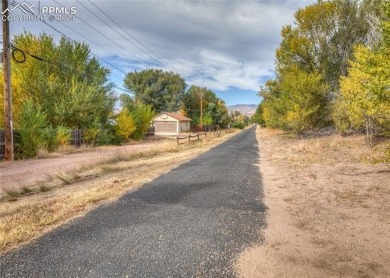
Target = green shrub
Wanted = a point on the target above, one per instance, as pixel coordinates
(143, 115)
(238, 125)
(50, 137)
(106, 136)
(207, 119)
(31, 127)
(91, 134)
(387, 155)
(340, 116)
(63, 135)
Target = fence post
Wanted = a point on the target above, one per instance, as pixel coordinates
(79, 138)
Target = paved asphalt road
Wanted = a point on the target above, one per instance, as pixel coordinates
(190, 222)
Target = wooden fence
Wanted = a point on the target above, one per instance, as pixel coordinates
(190, 138)
(76, 138)
(204, 128)
(194, 138)
(2, 144)
(150, 131)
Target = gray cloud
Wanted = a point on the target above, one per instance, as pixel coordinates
(219, 44)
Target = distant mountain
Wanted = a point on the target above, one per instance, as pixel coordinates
(244, 109)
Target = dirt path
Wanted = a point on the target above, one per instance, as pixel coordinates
(328, 213)
(29, 172)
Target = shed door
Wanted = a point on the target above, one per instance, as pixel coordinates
(166, 127)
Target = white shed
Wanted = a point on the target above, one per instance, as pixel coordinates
(170, 124)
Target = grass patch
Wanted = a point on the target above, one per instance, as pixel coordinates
(26, 190)
(11, 191)
(110, 168)
(14, 192)
(307, 151)
(65, 178)
(44, 188)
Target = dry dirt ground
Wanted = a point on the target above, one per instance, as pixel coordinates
(328, 209)
(22, 173)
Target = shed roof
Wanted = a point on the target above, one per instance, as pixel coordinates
(177, 116)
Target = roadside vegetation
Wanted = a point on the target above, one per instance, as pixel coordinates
(27, 212)
(332, 70)
(60, 86)
(325, 151)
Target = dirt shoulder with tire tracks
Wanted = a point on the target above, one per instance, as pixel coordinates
(328, 209)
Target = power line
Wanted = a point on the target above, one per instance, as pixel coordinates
(128, 33)
(55, 63)
(101, 33)
(116, 31)
(111, 27)
(70, 39)
(121, 89)
(90, 41)
(93, 54)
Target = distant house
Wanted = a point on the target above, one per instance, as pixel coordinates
(170, 123)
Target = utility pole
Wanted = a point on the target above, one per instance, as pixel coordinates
(8, 125)
(201, 111)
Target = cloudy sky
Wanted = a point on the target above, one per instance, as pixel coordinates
(225, 45)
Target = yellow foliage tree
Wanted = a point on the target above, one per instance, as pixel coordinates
(125, 125)
(183, 109)
(366, 91)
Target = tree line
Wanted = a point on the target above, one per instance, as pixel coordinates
(332, 68)
(60, 86)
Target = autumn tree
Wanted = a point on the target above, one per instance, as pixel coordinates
(296, 101)
(324, 35)
(125, 124)
(257, 117)
(69, 85)
(316, 51)
(273, 107)
(364, 101)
